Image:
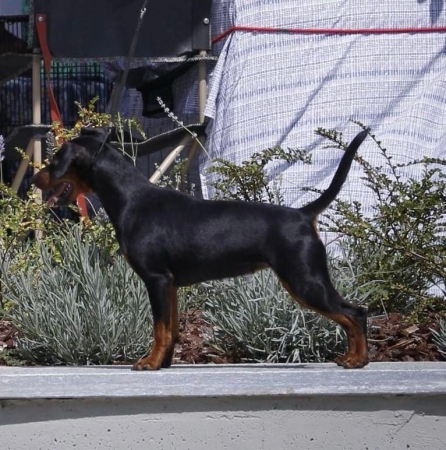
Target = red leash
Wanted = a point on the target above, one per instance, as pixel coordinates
(234, 28)
(54, 109)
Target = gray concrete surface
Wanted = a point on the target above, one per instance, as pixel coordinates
(222, 380)
(259, 407)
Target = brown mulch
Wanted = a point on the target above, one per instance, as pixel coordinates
(7, 335)
(391, 338)
(192, 348)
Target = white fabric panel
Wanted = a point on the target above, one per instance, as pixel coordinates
(276, 89)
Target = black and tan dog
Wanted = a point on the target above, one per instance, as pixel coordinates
(172, 239)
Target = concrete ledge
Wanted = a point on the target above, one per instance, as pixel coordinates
(223, 380)
(258, 407)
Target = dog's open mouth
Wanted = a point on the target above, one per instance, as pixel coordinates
(60, 195)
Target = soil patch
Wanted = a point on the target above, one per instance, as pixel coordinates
(391, 338)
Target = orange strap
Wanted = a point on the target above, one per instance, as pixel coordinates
(54, 109)
(41, 33)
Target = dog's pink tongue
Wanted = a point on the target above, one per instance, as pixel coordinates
(55, 195)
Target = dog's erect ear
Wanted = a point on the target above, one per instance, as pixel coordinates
(100, 134)
(63, 159)
(71, 153)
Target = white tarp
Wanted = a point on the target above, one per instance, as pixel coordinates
(276, 88)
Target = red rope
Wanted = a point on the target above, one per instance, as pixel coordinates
(54, 109)
(41, 33)
(230, 30)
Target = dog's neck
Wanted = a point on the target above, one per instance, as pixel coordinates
(112, 175)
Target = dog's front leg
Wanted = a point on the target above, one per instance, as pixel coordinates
(162, 297)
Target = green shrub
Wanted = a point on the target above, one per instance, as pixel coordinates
(75, 304)
(247, 181)
(255, 319)
(20, 219)
(399, 250)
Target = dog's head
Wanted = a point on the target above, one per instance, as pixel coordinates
(68, 173)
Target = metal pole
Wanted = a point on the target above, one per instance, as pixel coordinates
(34, 145)
(170, 159)
(37, 108)
(202, 88)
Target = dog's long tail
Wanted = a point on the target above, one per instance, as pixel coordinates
(316, 207)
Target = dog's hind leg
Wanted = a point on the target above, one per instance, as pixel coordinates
(310, 285)
(163, 301)
(174, 327)
(353, 320)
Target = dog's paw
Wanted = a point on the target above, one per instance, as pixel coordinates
(145, 364)
(349, 361)
(355, 363)
(342, 359)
